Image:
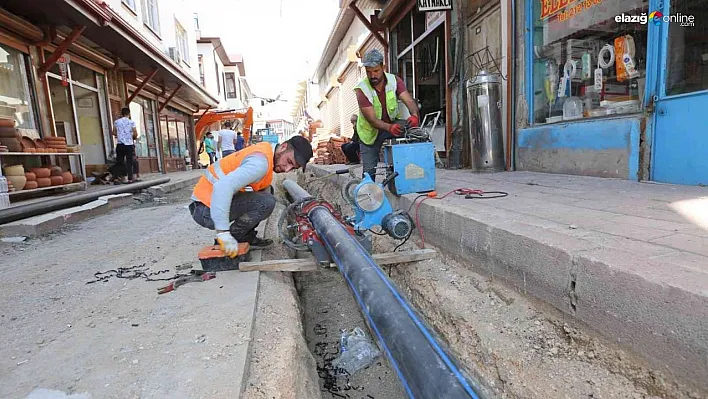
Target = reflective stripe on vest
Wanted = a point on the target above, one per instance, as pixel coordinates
(219, 169)
(367, 133)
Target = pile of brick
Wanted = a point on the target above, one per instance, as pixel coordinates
(330, 152)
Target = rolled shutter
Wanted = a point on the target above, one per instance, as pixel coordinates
(349, 104)
(333, 105)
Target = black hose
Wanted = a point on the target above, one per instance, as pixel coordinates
(25, 211)
(425, 369)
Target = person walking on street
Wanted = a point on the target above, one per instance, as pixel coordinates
(125, 131)
(234, 195)
(227, 140)
(240, 142)
(377, 95)
(210, 148)
(351, 149)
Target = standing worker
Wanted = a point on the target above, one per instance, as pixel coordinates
(377, 95)
(227, 140)
(233, 196)
(351, 149)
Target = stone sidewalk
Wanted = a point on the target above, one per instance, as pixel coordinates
(628, 259)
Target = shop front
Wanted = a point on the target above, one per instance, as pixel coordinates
(610, 86)
(142, 111)
(417, 47)
(176, 137)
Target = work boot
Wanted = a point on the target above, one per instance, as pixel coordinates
(260, 243)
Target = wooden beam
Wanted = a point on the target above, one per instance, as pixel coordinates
(308, 265)
(169, 98)
(60, 50)
(368, 25)
(140, 87)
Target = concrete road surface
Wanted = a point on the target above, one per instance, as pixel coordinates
(119, 338)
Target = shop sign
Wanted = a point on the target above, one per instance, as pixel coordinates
(63, 62)
(434, 5)
(550, 7)
(432, 17)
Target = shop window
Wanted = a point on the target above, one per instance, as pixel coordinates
(230, 85)
(200, 59)
(15, 94)
(173, 140)
(129, 3)
(182, 138)
(419, 23)
(151, 15)
(579, 67)
(165, 137)
(687, 65)
(82, 75)
(182, 42)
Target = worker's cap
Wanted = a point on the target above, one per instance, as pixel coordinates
(373, 58)
(302, 148)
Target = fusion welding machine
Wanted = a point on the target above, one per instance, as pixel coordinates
(410, 162)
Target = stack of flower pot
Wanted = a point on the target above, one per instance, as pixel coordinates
(9, 136)
(56, 143)
(16, 179)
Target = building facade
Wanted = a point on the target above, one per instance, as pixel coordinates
(71, 77)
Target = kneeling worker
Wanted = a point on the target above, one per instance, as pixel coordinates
(234, 195)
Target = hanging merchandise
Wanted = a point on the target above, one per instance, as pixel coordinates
(607, 51)
(587, 65)
(550, 82)
(624, 58)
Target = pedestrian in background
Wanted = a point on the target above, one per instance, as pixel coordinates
(240, 142)
(227, 140)
(210, 148)
(125, 131)
(351, 149)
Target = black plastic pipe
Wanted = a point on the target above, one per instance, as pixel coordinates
(425, 369)
(38, 208)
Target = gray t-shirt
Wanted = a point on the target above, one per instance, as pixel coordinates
(226, 138)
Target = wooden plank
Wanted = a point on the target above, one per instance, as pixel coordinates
(308, 265)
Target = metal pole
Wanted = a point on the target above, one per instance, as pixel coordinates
(424, 367)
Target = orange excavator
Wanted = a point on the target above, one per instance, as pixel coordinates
(211, 117)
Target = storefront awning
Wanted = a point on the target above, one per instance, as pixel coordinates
(110, 31)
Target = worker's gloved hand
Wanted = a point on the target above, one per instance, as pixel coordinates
(228, 244)
(395, 129)
(413, 121)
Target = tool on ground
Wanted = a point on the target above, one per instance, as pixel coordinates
(194, 276)
(213, 259)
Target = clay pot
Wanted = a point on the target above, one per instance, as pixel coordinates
(43, 181)
(16, 170)
(78, 178)
(18, 181)
(41, 173)
(10, 133)
(31, 185)
(7, 122)
(56, 180)
(13, 145)
(67, 177)
(55, 171)
(40, 143)
(30, 176)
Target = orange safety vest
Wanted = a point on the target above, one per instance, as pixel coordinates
(205, 186)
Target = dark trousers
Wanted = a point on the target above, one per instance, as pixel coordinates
(370, 153)
(226, 153)
(247, 211)
(212, 157)
(124, 159)
(351, 151)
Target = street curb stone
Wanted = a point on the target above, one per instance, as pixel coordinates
(162, 189)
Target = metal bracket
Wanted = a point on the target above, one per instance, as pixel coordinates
(60, 50)
(369, 26)
(141, 87)
(169, 98)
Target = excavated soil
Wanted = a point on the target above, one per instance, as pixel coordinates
(519, 347)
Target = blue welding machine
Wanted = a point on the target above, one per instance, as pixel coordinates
(415, 165)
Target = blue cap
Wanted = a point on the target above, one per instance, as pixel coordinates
(373, 58)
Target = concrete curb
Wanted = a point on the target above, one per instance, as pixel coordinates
(173, 185)
(52, 221)
(636, 302)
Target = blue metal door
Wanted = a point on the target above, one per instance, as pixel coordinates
(680, 150)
